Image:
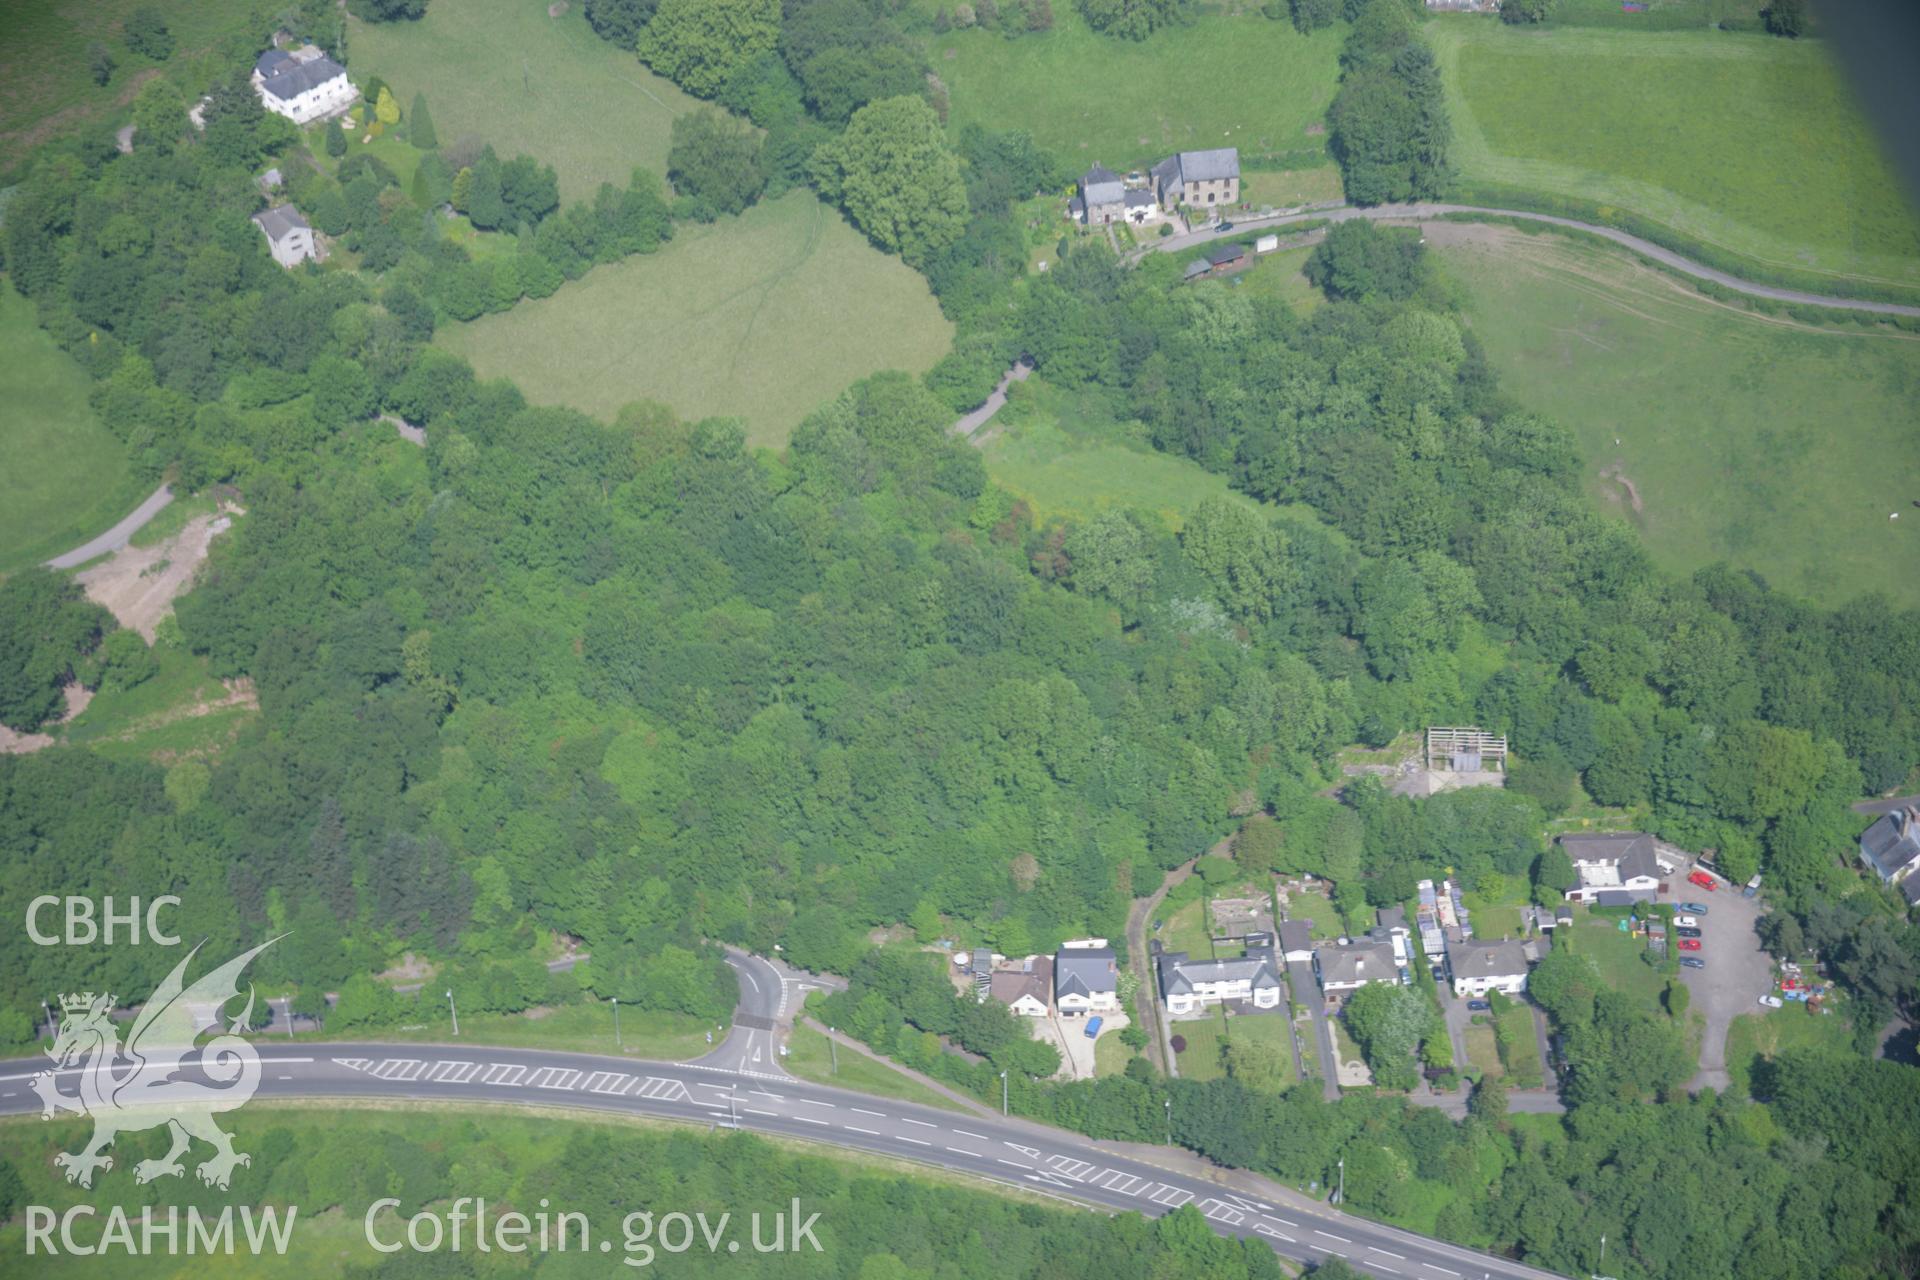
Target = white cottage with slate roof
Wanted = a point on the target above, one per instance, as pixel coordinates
(1615, 870)
(304, 86)
(289, 238)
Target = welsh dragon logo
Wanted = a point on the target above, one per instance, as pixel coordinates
(160, 1076)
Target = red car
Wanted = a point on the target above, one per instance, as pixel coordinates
(1689, 944)
(1703, 880)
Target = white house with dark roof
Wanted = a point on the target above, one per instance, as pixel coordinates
(1480, 967)
(1296, 940)
(304, 85)
(1615, 870)
(1198, 179)
(1086, 979)
(1891, 850)
(1349, 965)
(1188, 985)
(289, 238)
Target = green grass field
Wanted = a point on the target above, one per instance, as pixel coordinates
(1521, 1065)
(503, 72)
(1749, 439)
(1747, 142)
(45, 88)
(63, 476)
(1618, 956)
(1224, 81)
(765, 317)
(808, 1057)
(1753, 1036)
(1065, 456)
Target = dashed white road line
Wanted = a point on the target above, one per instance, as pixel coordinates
(1329, 1235)
(959, 1152)
(1387, 1252)
(1437, 1267)
(755, 1111)
(915, 1141)
(863, 1111)
(811, 1120)
(963, 1133)
(922, 1123)
(871, 1133)
(813, 1102)
(1017, 1165)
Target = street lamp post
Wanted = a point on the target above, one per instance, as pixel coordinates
(1003, 1093)
(1169, 1102)
(833, 1052)
(617, 1042)
(286, 1007)
(1342, 1198)
(53, 1029)
(454, 1010)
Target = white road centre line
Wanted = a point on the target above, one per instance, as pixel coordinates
(811, 1120)
(1387, 1252)
(810, 1102)
(1015, 1164)
(775, 1096)
(283, 1076)
(1329, 1235)
(755, 1111)
(922, 1123)
(963, 1152)
(918, 1142)
(978, 1136)
(871, 1133)
(863, 1111)
(1437, 1267)
(1381, 1266)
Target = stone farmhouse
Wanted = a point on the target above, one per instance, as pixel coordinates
(1105, 197)
(304, 85)
(1198, 179)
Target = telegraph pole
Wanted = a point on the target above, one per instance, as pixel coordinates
(53, 1028)
(1169, 1102)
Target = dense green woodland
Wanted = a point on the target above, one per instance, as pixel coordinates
(633, 684)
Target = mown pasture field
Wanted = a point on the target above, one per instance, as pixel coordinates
(764, 317)
(63, 476)
(1749, 144)
(507, 74)
(1239, 80)
(1747, 438)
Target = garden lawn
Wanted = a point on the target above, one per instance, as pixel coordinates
(1747, 438)
(1273, 1029)
(808, 1057)
(1757, 1035)
(1521, 1065)
(503, 72)
(1618, 955)
(63, 476)
(764, 317)
(1746, 142)
(1223, 81)
(1483, 1049)
(46, 90)
(1204, 1036)
(1111, 1055)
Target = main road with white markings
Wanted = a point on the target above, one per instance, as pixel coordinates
(731, 1096)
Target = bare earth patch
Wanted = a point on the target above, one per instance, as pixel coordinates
(138, 585)
(1619, 476)
(13, 743)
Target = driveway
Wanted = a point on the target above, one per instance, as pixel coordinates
(1645, 248)
(118, 536)
(1306, 995)
(1738, 973)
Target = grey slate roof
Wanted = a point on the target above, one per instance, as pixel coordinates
(292, 81)
(1198, 267)
(1487, 959)
(1632, 850)
(278, 221)
(1221, 254)
(1178, 974)
(1139, 199)
(1391, 917)
(1085, 971)
(1892, 845)
(271, 61)
(1206, 166)
(1357, 962)
(1296, 935)
(1622, 897)
(1102, 185)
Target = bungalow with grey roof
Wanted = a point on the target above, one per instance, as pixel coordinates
(1349, 965)
(1480, 967)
